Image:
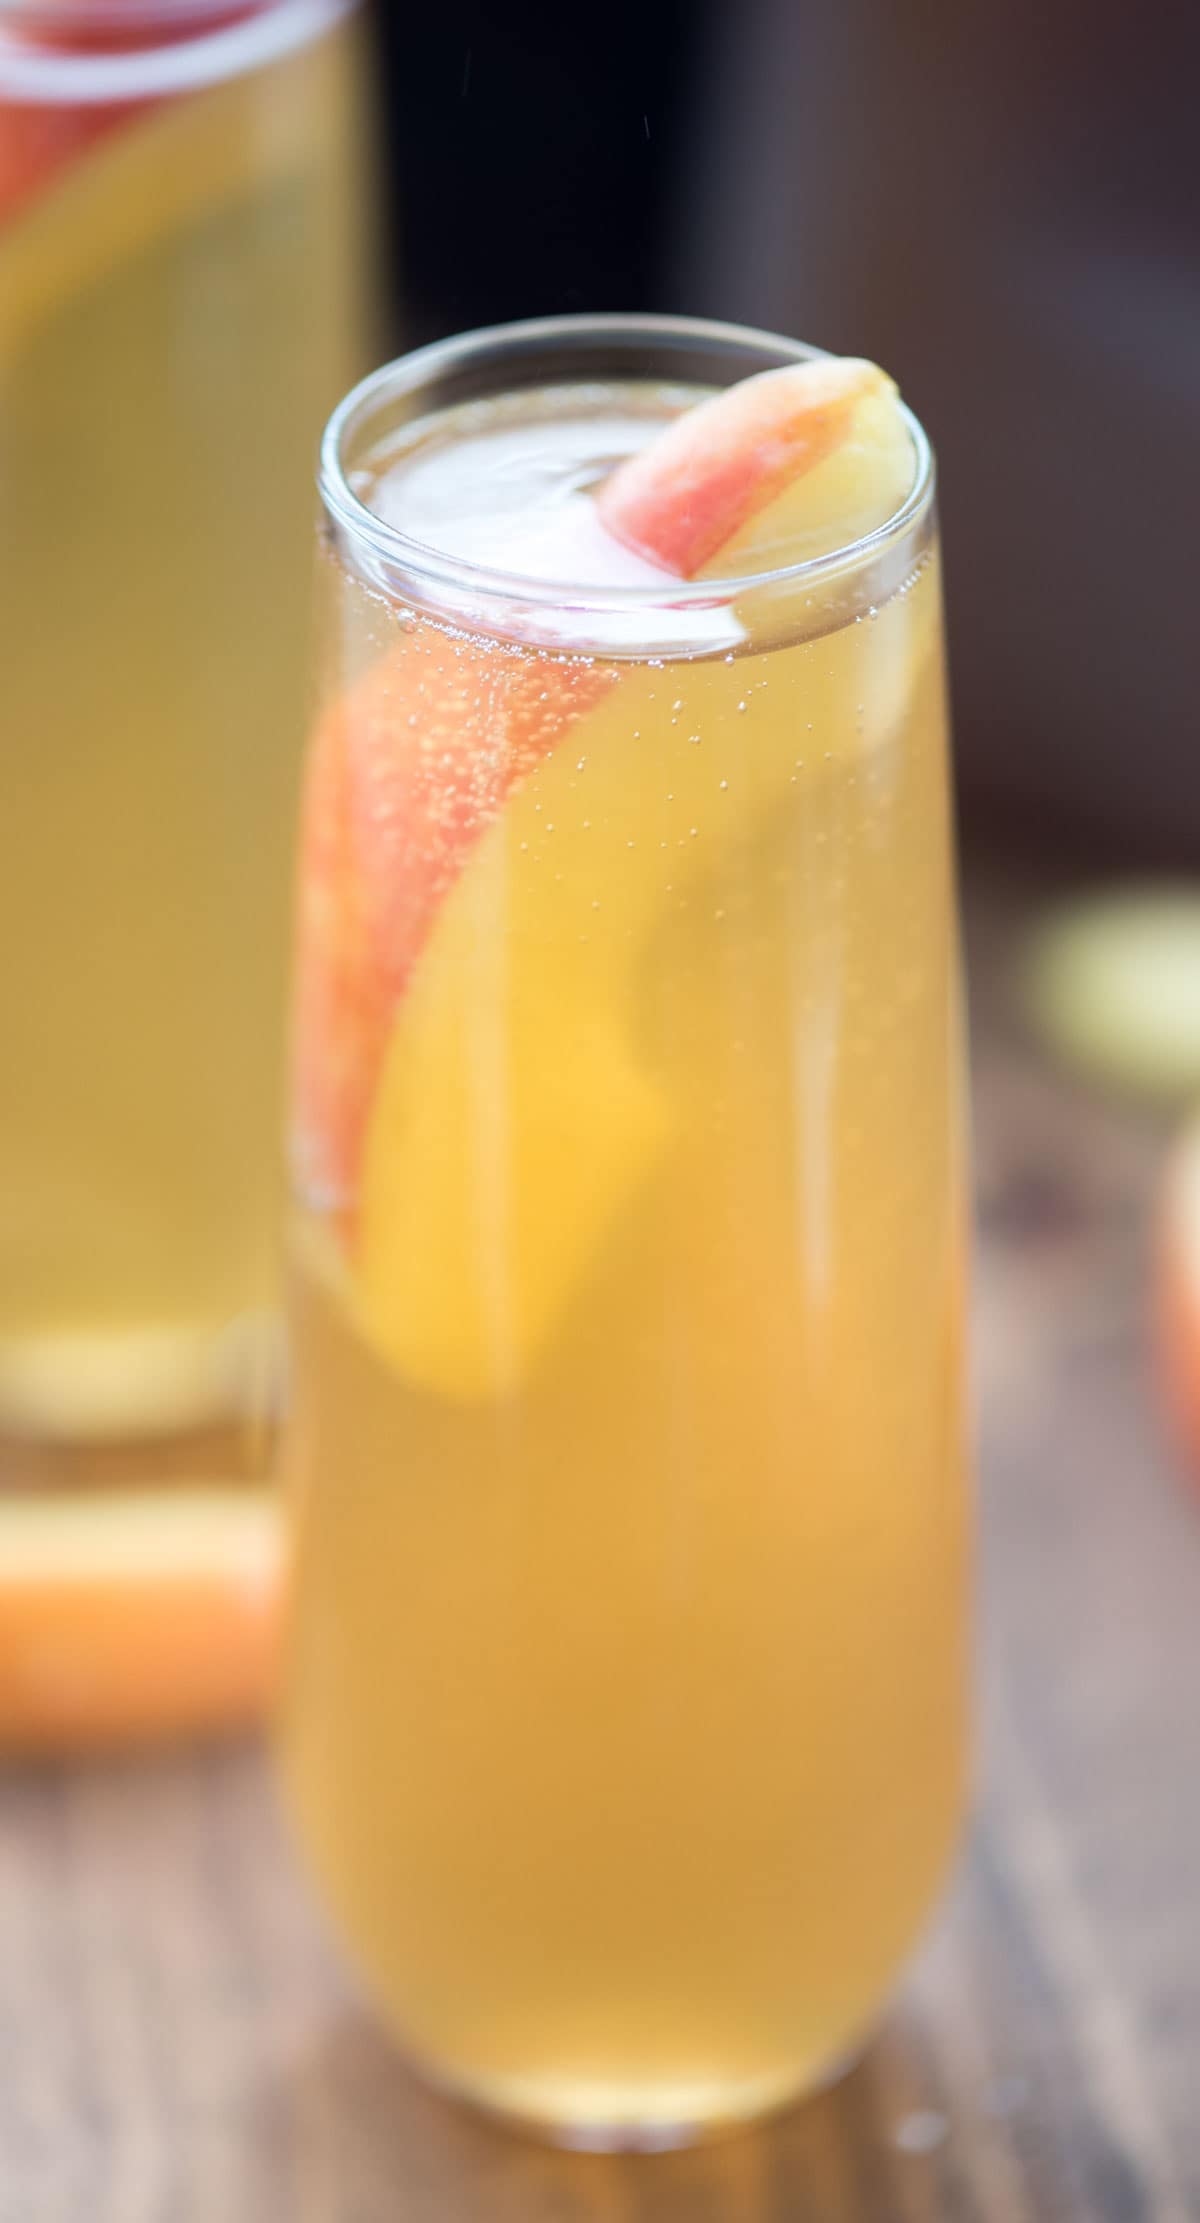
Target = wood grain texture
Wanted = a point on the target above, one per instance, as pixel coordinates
(178, 2045)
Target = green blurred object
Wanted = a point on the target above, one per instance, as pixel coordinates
(1111, 985)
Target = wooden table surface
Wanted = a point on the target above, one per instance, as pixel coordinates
(177, 2044)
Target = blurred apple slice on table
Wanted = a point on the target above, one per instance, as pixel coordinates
(129, 1619)
(1110, 982)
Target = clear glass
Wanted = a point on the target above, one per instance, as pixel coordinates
(625, 1712)
(182, 218)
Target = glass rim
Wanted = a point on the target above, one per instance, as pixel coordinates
(112, 15)
(188, 44)
(434, 568)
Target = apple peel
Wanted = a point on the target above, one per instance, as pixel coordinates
(406, 771)
(692, 493)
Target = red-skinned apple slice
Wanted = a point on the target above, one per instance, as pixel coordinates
(40, 139)
(36, 142)
(406, 771)
(417, 759)
(690, 494)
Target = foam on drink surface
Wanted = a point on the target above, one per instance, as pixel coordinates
(508, 485)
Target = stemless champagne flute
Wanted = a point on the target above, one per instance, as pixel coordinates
(181, 301)
(625, 1712)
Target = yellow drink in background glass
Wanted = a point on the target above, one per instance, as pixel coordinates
(625, 1719)
(181, 299)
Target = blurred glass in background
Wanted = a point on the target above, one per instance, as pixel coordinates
(183, 268)
(1001, 208)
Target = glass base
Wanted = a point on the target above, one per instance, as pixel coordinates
(586, 2117)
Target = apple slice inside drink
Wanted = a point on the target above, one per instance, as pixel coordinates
(405, 772)
(38, 141)
(85, 186)
(467, 1051)
(41, 139)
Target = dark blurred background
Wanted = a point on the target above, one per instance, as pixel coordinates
(1001, 204)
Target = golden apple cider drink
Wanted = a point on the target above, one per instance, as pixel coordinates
(625, 1719)
(180, 303)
